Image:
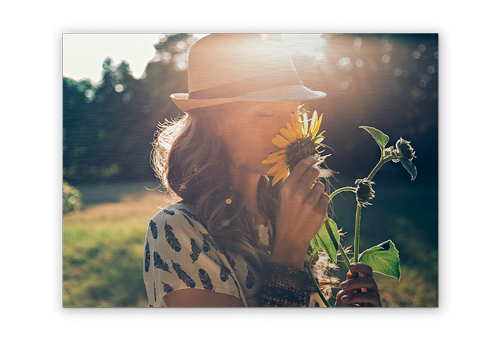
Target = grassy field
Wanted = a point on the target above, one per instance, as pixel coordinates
(103, 247)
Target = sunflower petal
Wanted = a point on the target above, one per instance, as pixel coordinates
(275, 159)
(289, 135)
(282, 174)
(314, 119)
(278, 167)
(280, 142)
(305, 123)
(318, 124)
(292, 130)
(273, 156)
(298, 125)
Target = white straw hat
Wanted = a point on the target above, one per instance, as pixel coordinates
(225, 68)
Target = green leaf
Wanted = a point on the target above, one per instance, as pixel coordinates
(329, 239)
(412, 169)
(381, 138)
(383, 259)
(313, 247)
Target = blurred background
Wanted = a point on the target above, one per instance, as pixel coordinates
(387, 81)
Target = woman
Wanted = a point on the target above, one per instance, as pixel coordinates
(234, 239)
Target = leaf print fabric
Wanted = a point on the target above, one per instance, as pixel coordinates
(154, 229)
(195, 250)
(181, 274)
(179, 253)
(159, 263)
(147, 257)
(250, 280)
(171, 239)
(205, 280)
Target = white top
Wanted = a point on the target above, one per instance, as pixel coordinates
(179, 253)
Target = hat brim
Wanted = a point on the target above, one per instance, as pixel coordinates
(277, 94)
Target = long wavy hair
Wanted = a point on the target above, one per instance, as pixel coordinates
(190, 161)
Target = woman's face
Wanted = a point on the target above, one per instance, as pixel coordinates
(248, 132)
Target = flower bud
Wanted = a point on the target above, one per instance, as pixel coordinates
(404, 150)
(364, 192)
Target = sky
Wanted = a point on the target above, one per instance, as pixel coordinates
(83, 54)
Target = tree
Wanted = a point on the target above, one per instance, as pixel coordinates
(108, 128)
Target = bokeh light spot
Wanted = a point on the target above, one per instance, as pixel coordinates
(398, 72)
(421, 48)
(344, 84)
(386, 58)
(359, 63)
(345, 63)
(357, 43)
(416, 54)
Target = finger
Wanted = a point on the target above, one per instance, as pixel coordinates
(300, 169)
(315, 193)
(324, 200)
(364, 269)
(368, 283)
(371, 299)
(309, 178)
(340, 294)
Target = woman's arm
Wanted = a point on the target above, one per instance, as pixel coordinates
(200, 298)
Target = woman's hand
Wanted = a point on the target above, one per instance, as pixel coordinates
(348, 297)
(302, 209)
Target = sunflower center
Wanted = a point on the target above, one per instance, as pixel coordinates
(298, 150)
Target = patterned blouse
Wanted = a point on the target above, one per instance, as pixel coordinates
(179, 253)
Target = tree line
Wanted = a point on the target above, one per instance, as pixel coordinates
(387, 81)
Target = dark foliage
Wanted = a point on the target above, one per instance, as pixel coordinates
(388, 81)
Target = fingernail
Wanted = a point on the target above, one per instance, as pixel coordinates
(354, 266)
(345, 298)
(344, 285)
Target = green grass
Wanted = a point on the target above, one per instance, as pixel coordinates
(102, 251)
(103, 245)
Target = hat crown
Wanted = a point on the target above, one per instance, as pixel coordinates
(220, 59)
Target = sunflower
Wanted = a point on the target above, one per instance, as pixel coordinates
(297, 143)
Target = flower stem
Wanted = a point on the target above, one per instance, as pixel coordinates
(356, 244)
(316, 284)
(378, 166)
(356, 236)
(357, 226)
(348, 188)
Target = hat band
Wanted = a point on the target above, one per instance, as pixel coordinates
(262, 82)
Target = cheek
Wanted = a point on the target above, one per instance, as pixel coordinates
(250, 148)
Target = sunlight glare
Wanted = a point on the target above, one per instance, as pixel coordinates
(309, 44)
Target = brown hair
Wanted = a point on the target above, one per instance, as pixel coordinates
(190, 160)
